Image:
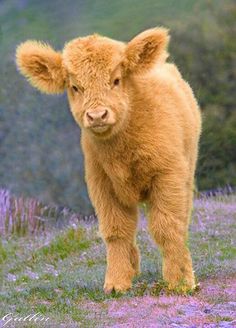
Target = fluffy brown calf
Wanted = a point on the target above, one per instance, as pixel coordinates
(140, 127)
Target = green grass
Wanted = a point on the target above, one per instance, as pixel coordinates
(63, 246)
(73, 276)
(3, 253)
(56, 274)
(54, 294)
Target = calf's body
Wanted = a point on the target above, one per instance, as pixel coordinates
(140, 127)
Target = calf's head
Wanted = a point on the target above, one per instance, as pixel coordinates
(95, 71)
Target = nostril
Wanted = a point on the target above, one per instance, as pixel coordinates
(90, 117)
(104, 115)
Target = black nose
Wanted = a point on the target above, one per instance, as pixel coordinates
(97, 116)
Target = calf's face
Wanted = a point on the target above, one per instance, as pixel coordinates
(96, 84)
(95, 72)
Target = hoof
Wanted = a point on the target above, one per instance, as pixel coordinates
(182, 288)
(117, 287)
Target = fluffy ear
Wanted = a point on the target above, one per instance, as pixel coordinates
(148, 47)
(41, 65)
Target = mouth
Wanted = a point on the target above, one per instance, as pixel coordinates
(100, 128)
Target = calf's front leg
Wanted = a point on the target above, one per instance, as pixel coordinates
(117, 226)
(168, 224)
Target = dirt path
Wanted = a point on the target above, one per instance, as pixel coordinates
(214, 305)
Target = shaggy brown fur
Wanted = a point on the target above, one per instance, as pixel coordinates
(140, 127)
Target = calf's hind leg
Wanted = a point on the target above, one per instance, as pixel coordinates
(168, 224)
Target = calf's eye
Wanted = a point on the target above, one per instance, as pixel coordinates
(75, 88)
(116, 82)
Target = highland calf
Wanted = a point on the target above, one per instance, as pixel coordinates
(140, 126)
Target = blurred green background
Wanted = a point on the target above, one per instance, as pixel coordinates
(40, 152)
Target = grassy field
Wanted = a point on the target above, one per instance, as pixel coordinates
(59, 273)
